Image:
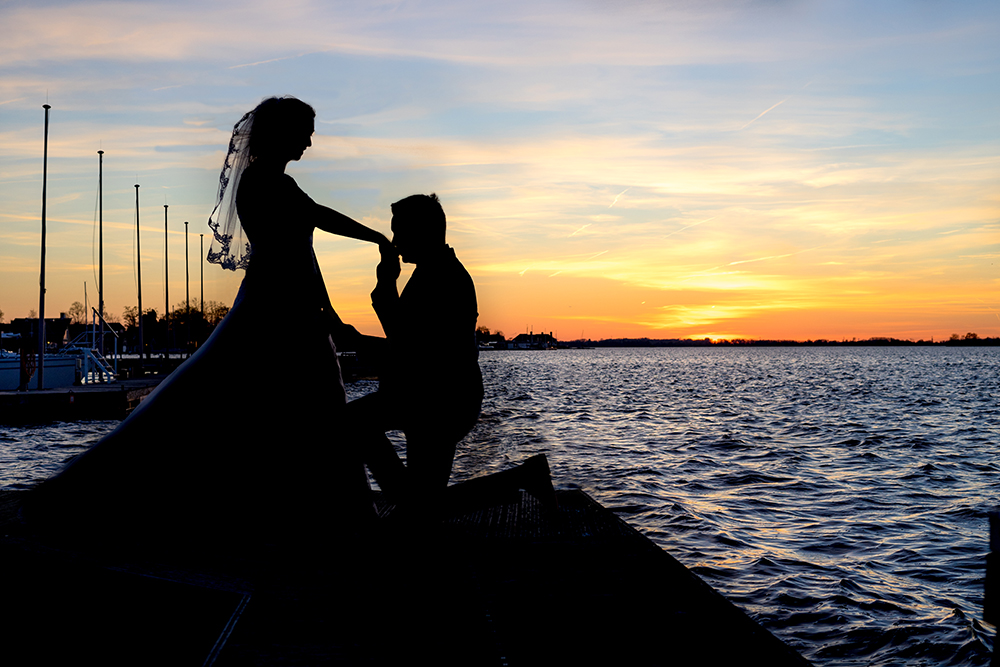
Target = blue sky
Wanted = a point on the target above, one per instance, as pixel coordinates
(760, 169)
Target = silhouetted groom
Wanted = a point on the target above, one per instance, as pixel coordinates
(432, 388)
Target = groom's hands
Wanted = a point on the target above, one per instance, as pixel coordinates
(385, 297)
(388, 267)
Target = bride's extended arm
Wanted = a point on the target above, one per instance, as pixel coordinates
(337, 223)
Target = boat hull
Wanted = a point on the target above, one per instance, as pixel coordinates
(60, 371)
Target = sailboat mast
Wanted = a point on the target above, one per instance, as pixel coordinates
(138, 274)
(100, 244)
(41, 280)
(202, 300)
(187, 272)
(187, 287)
(166, 281)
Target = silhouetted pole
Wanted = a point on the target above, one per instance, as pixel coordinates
(187, 285)
(203, 275)
(187, 270)
(138, 274)
(100, 243)
(41, 279)
(166, 279)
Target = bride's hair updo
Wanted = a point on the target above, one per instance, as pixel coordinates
(277, 120)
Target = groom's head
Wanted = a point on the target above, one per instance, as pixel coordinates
(418, 226)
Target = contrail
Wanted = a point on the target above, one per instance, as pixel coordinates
(694, 224)
(761, 259)
(762, 113)
(707, 272)
(274, 60)
(581, 229)
(623, 192)
(988, 306)
(532, 267)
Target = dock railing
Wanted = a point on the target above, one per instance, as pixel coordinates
(94, 367)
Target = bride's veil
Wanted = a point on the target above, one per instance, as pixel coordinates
(230, 248)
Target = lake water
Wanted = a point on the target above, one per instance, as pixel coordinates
(839, 495)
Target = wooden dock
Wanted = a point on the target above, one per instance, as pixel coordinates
(513, 583)
(94, 401)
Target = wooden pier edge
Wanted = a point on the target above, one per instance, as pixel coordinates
(95, 401)
(511, 583)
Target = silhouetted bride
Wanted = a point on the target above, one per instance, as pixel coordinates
(244, 435)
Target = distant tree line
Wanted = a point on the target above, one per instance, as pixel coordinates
(185, 329)
(969, 339)
(485, 337)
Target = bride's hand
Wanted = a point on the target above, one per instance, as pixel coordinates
(387, 269)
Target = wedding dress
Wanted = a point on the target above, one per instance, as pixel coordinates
(245, 436)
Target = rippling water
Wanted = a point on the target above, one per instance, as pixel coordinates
(839, 495)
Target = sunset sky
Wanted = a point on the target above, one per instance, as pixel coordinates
(609, 169)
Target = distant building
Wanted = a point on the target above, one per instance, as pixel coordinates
(533, 341)
(490, 341)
